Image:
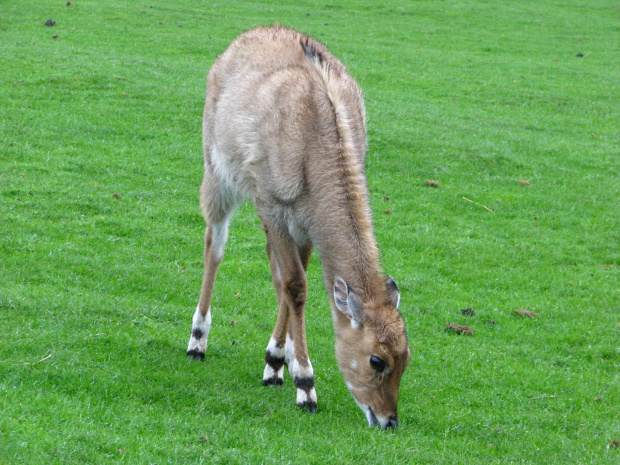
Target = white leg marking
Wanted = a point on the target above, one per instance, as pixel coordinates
(289, 353)
(301, 371)
(200, 327)
(313, 395)
(220, 236)
(277, 352)
(270, 373)
(303, 397)
(274, 350)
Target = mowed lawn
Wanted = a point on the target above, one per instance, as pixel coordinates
(494, 175)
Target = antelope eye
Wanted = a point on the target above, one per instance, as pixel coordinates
(377, 363)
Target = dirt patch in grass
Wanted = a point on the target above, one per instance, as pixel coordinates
(459, 329)
(526, 313)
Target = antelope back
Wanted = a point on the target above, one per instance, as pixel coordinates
(279, 108)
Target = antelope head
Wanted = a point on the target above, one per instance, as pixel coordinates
(371, 349)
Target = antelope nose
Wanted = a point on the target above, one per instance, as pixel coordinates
(392, 423)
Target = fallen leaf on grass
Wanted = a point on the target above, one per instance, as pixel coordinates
(525, 183)
(431, 183)
(613, 444)
(543, 397)
(388, 211)
(50, 23)
(35, 363)
(117, 195)
(526, 313)
(489, 322)
(479, 204)
(460, 329)
(468, 312)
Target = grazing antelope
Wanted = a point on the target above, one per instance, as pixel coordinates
(284, 125)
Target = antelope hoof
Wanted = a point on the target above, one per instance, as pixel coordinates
(272, 376)
(310, 406)
(306, 394)
(273, 382)
(201, 324)
(274, 364)
(196, 354)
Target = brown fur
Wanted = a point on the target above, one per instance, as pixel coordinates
(284, 124)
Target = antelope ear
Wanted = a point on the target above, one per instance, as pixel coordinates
(393, 291)
(347, 301)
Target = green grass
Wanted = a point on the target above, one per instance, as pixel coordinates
(476, 95)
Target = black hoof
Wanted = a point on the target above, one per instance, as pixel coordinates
(273, 382)
(309, 406)
(196, 354)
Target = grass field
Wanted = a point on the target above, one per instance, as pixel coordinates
(513, 108)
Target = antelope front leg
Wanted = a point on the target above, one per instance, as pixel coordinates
(280, 350)
(274, 360)
(274, 354)
(301, 371)
(290, 271)
(302, 374)
(215, 240)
